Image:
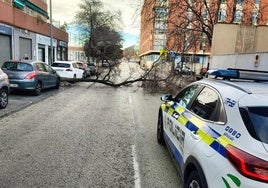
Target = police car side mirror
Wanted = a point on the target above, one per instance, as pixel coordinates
(167, 97)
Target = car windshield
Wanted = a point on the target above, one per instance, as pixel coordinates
(17, 66)
(256, 121)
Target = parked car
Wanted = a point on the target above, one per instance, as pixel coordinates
(68, 70)
(183, 69)
(105, 63)
(4, 89)
(85, 68)
(92, 68)
(30, 75)
(216, 130)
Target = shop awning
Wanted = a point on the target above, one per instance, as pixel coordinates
(19, 4)
(37, 9)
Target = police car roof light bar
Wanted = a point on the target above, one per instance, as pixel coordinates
(244, 74)
(223, 73)
(255, 75)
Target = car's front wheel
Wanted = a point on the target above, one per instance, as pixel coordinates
(160, 129)
(3, 98)
(194, 181)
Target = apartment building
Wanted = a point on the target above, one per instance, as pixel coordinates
(185, 27)
(153, 30)
(25, 32)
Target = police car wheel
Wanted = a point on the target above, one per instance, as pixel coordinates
(160, 131)
(194, 181)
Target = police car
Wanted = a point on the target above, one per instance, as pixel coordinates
(217, 130)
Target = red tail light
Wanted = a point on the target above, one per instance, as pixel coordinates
(69, 70)
(30, 75)
(247, 164)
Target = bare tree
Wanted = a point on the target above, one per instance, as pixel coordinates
(96, 23)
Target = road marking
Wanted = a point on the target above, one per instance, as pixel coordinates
(136, 168)
(134, 152)
(130, 102)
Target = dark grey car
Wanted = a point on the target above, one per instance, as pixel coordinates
(30, 75)
(92, 68)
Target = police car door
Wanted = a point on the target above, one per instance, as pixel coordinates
(207, 111)
(176, 119)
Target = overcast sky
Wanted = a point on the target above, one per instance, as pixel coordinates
(64, 11)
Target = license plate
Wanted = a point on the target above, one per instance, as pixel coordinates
(13, 85)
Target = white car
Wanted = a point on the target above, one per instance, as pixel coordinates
(217, 130)
(68, 69)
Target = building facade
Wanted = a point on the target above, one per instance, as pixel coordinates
(185, 27)
(76, 43)
(130, 54)
(25, 33)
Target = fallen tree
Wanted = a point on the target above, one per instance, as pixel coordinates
(159, 78)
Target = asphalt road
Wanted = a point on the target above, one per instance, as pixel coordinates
(20, 100)
(85, 136)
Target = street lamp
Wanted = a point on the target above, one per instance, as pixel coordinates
(51, 35)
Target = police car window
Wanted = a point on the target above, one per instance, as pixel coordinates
(208, 106)
(184, 98)
(256, 121)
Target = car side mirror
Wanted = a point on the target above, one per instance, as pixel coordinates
(166, 97)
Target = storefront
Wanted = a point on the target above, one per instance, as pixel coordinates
(24, 44)
(43, 48)
(6, 44)
(62, 50)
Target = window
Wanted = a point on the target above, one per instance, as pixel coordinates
(49, 69)
(254, 17)
(75, 65)
(185, 97)
(222, 15)
(256, 122)
(238, 16)
(17, 66)
(240, 2)
(63, 65)
(40, 67)
(161, 13)
(24, 67)
(208, 106)
(160, 27)
(205, 14)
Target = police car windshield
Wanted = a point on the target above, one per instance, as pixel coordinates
(256, 121)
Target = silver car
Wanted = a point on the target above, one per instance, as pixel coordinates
(29, 75)
(4, 89)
